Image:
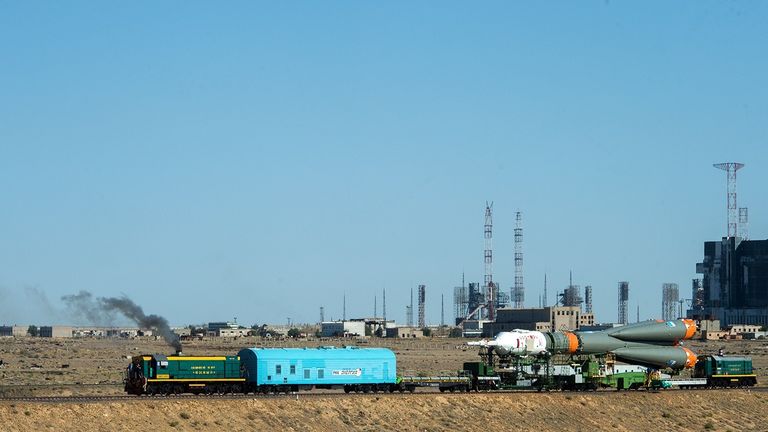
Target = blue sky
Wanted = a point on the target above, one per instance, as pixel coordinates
(260, 159)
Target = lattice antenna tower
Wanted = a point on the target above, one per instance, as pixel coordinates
(409, 311)
(669, 300)
(322, 314)
(545, 290)
(519, 291)
(743, 223)
(730, 169)
(623, 302)
(488, 258)
(384, 304)
(422, 298)
(442, 310)
(588, 299)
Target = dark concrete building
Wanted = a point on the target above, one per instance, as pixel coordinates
(734, 282)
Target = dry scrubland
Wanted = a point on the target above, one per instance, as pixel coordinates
(627, 411)
(39, 367)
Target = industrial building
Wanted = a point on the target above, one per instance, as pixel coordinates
(56, 331)
(347, 328)
(405, 332)
(734, 283)
(229, 332)
(548, 318)
(14, 331)
(214, 327)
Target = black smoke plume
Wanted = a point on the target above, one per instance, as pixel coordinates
(84, 306)
(101, 310)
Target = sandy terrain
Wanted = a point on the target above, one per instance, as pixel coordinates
(731, 410)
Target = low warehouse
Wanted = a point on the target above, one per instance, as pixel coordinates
(56, 331)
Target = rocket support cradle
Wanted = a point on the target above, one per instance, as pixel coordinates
(651, 343)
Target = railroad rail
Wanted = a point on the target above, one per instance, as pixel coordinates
(317, 395)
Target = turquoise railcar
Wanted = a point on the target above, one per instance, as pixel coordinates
(292, 369)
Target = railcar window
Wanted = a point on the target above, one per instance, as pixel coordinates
(306, 373)
(278, 370)
(321, 373)
(293, 369)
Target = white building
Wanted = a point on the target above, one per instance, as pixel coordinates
(342, 328)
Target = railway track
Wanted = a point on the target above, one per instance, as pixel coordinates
(317, 395)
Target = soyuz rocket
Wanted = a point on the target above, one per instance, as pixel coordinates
(650, 343)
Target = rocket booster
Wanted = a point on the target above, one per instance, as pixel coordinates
(651, 343)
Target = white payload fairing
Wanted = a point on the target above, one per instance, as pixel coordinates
(517, 343)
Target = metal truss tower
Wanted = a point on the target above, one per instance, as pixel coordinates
(442, 310)
(518, 294)
(670, 298)
(743, 223)
(384, 304)
(422, 295)
(730, 169)
(409, 312)
(623, 302)
(489, 286)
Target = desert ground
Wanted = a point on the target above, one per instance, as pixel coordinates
(44, 367)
